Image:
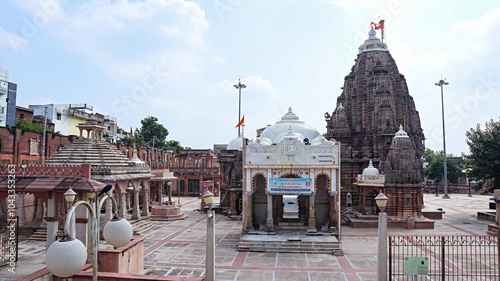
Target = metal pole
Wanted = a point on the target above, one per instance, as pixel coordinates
(441, 83)
(239, 86)
(382, 247)
(44, 132)
(210, 258)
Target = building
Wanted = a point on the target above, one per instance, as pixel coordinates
(230, 158)
(8, 95)
(291, 159)
(192, 167)
(374, 103)
(67, 117)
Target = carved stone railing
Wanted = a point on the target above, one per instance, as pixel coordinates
(46, 170)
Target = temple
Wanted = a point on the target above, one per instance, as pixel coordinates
(291, 163)
(379, 127)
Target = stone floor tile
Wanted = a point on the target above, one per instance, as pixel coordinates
(187, 259)
(264, 262)
(292, 263)
(324, 276)
(255, 275)
(290, 276)
(225, 274)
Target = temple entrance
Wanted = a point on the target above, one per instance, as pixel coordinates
(259, 204)
(322, 203)
(290, 207)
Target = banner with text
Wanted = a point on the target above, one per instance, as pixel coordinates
(290, 186)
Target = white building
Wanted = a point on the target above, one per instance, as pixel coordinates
(292, 158)
(8, 94)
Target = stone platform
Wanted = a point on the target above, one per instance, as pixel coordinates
(371, 221)
(166, 213)
(289, 242)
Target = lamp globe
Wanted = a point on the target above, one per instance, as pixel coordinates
(66, 257)
(118, 232)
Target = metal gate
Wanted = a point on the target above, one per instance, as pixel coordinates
(449, 257)
(9, 242)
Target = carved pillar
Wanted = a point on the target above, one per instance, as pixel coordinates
(311, 228)
(248, 222)
(128, 198)
(52, 221)
(21, 210)
(136, 211)
(108, 215)
(82, 226)
(122, 209)
(145, 201)
(39, 210)
(269, 219)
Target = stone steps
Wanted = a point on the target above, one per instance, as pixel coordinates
(290, 247)
(141, 227)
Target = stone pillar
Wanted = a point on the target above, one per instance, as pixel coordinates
(108, 215)
(128, 198)
(122, 209)
(21, 210)
(269, 219)
(311, 228)
(136, 211)
(248, 222)
(145, 201)
(52, 222)
(39, 210)
(82, 218)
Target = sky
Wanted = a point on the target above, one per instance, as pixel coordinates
(178, 60)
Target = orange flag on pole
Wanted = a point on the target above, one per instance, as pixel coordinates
(131, 133)
(241, 122)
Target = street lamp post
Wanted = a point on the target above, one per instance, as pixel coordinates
(441, 83)
(239, 86)
(68, 256)
(381, 200)
(208, 198)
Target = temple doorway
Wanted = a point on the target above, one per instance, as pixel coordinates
(291, 207)
(259, 199)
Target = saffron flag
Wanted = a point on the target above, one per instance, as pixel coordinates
(381, 26)
(241, 122)
(131, 133)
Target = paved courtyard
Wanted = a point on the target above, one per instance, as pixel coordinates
(177, 248)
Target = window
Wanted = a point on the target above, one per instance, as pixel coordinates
(193, 185)
(21, 115)
(59, 116)
(2, 110)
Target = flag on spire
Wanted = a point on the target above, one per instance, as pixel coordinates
(131, 133)
(378, 26)
(241, 122)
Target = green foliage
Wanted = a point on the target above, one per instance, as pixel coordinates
(483, 160)
(435, 170)
(174, 146)
(430, 155)
(151, 133)
(26, 125)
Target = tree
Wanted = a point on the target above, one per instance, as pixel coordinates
(483, 160)
(26, 125)
(151, 132)
(430, 155)
(174, 146)
(435, 170)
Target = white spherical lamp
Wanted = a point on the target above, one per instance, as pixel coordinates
(66, 257)
(118, 232)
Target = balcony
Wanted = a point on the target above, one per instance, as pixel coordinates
(195, 171)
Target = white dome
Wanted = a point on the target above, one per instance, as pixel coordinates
(263, 141)
(289, 134)
(401, 133)
(278, 130)
(370, 170)
(372, 43)
(235, 144)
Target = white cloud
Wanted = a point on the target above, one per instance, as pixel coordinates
(124, 38)
(11, 40)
